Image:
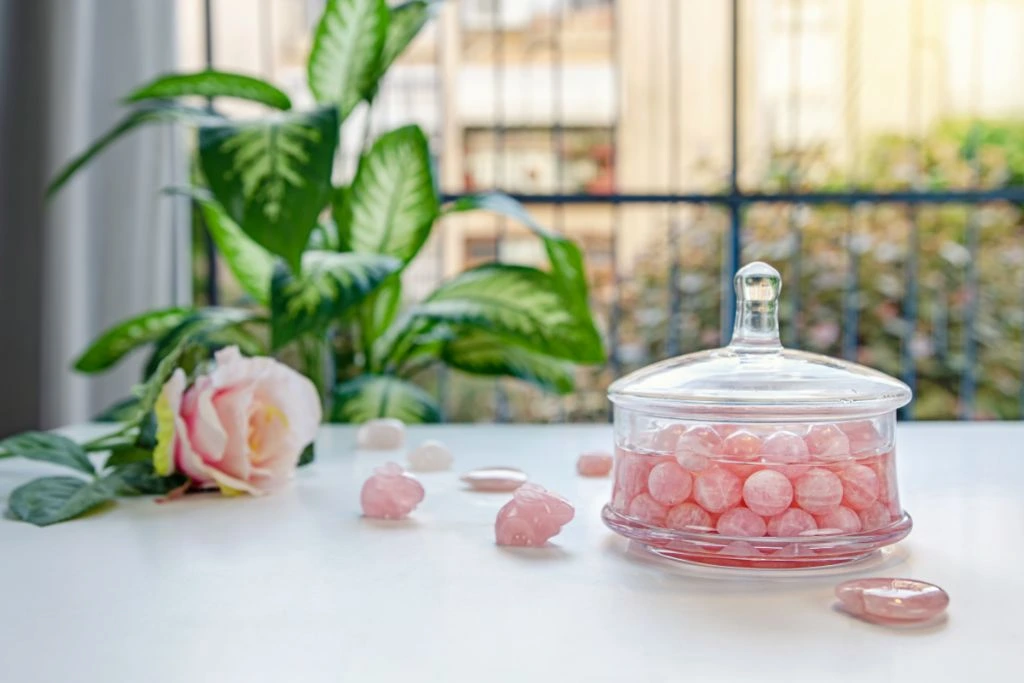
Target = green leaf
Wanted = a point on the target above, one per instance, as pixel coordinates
(343, 64)
(521, 305)
(118, 341)
(124, 455)
(50, 500)
(308, 455)
(372, 396)
(151, 112)
(392, 202)
(273, 176)
(212, 84)
(482, 353)
(377, 314)
(204, 332)
(51, 448)
(330, 283)
(406, 22)
(121, 411)
(251, 264)
(140, 479)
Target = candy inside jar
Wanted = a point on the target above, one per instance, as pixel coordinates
(756, 456)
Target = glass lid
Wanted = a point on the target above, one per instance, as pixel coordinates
(754, 378)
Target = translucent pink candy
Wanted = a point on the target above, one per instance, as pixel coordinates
(532, 517)
(594, 464)
(842, 520)
(792, 522)
(717, 490)
(827, 442)
(787, 450)
(819, 491)
(860, 487)
(767, 492)
(669, 484)
(874, 517)
(390, 493)
(741, 447)
(741, 522)
(892, 601)
(696, 445)
(648, 510)
(688, 516)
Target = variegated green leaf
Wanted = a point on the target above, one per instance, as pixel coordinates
(392, 202)
(130, 334)
(373, 396)
(344, 62)
(212, 84)
(406, 22)
(482, 353)
(273, 176)
(203, 333)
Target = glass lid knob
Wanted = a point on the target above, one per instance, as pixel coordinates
(757, 309)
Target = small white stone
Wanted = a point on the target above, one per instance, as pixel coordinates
(382, 434)
(430, 456)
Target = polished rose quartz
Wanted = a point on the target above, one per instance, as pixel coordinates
(787, 451)
(696, 445)
(863, 435)
(383, 434)
(594, 464)
(792, 522)
(827, 442)
(874, 517)
(860, 487)
(842, 520)
(669, 483)
(532, 517)
(688, 516)
(390, 493)
(892, 601)
(819, 491)
(717, 489)
(741, 522)
(430, 456)
(767, 492)
(649, 511)
(741, 450)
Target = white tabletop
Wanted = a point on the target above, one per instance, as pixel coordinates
(297, 587)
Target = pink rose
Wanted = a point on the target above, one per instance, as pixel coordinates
(242, 427)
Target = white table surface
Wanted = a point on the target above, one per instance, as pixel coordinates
(297, 587)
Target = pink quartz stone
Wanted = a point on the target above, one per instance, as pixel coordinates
(494, 479)
(594, 464)
(874, 517)
(827, 442)
(842, 520)
(430, 456)
(787, 451)
(740, 549)
(892, 601)
(792, 522)
(717, 489)
(741, 522)
(664, 439)
(794, 550)
(860, 486)
(532, 517)
(819, 491)
(669, 484)
(767, 492)
(648, 510)
(688, 516)
(864, 437)
(631, 473)
(696, 445)
(741, 450)
(383, 434)
(390, 493)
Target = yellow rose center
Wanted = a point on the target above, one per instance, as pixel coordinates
(262, 421)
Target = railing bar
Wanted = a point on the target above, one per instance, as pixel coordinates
(558, 138)
(851, 295)
(673, 337)
(792, 331)
(614, 313)
(731, 256)
(1004, 194)
(209, 248)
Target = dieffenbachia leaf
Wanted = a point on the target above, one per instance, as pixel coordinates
(148, 112)
(46, 447)
(205, 331)
(273, 176)
(392, 202)
(406, 22)
(118, 341)
(372, 396)
(344, 62)
(211, 84)
(330, 283)
(482, 353)
(49, 500)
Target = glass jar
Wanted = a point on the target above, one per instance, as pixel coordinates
(754, 455)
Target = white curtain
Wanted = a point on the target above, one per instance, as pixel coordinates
(111, 245)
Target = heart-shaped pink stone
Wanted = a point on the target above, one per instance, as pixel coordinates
(892, 601)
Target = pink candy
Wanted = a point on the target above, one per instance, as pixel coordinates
(390, 493)
(741, 522)
(532, 517)
(696, 445)
(648, 510)
(827, 442)
(860, 487)
(594, 464)
(669, 484)
(792, 522)
(842, 520)
(819, 491)
(688, 516)
(787, 450)
(767, 492)
(717, 490)
(738, 449)
(874, 517)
